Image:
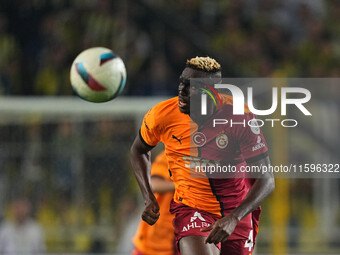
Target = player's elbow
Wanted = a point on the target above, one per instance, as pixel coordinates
(271, 185)
(135, 154)
(139, 151)
(133, 150)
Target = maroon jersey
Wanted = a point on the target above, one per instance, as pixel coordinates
(229, 142)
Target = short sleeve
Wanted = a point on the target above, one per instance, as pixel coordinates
(148, 131)
(251, 140)
(160, 166)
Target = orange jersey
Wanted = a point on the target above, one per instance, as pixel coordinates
(165, 123)
(159, 238)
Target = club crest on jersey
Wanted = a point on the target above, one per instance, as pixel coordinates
(222, 141)
(199, 139)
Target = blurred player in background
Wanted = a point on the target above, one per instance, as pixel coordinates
(159, 238)
(23, 235)
(207, 211)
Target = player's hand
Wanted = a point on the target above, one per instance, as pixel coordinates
(221, 229)
(151, 212)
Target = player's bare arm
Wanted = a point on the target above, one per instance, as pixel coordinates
(141, 164)
(260, 190)
(161, 185)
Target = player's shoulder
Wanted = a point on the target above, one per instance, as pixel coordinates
(167, 103)
(160, 114)
(227, 103)
(164, 108)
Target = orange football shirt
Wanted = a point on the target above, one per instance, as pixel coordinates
(159, 238)
(164, 122)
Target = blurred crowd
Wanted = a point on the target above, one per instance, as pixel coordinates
(251, 38)
(74, 177)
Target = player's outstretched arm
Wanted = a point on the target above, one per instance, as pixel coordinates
(141, 164)
(262, 187)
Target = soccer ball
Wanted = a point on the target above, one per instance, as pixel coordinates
(98, 75)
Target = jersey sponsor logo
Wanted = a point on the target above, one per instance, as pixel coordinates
(254, 127)
(259, 144)
(193, 162)
(178, 139)
(259, 139)
(199, 139)
(197, 221)
(197, 215)
(195, 225)
(222, 141)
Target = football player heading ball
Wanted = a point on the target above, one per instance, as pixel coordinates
(208, 211)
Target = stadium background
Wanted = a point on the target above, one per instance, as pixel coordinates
(70, 158)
